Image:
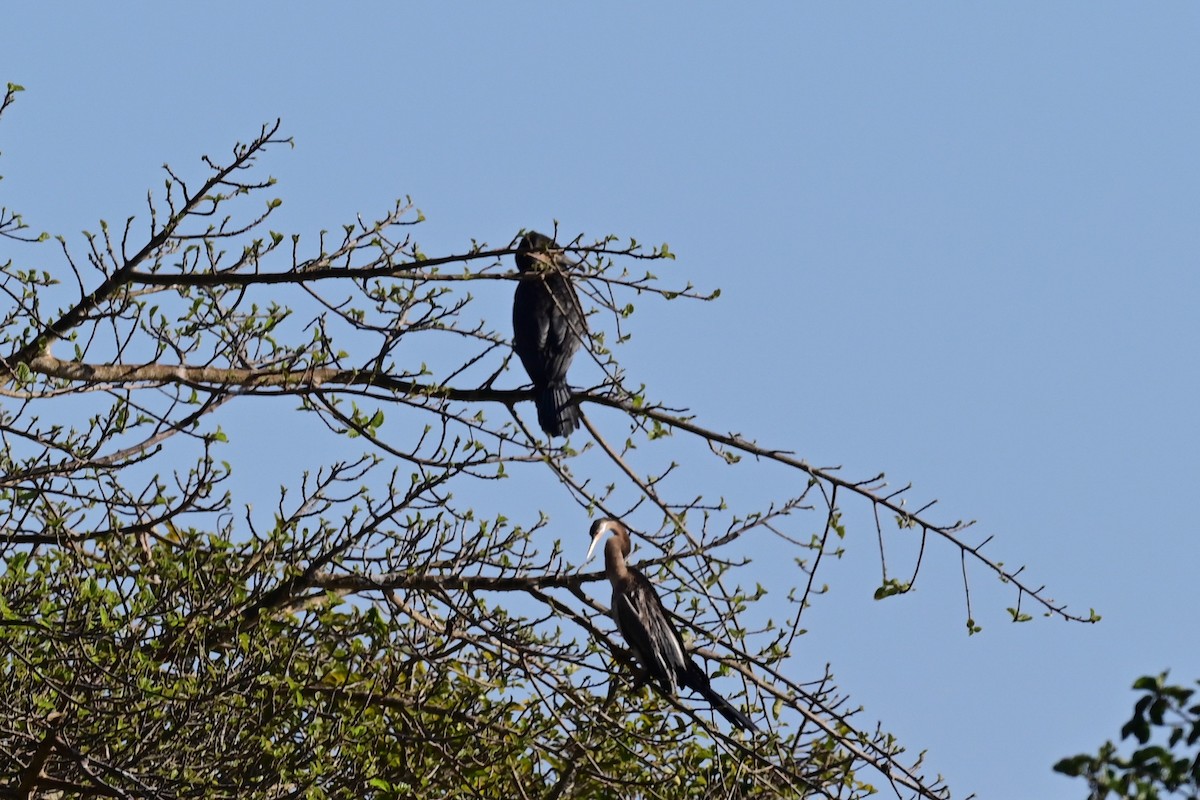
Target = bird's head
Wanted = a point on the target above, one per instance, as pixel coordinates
(533, 248)
(603, 526)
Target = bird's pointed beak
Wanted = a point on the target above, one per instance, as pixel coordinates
(591, 553)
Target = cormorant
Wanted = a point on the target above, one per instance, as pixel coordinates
(548, 326)
(644, 623)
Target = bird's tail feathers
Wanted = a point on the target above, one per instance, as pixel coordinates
(728, 711)
(697, 679)
(557, 415)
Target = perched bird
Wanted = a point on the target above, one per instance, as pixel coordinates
(548, 326)
(644, 623)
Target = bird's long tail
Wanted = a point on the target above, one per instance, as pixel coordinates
(696, 679)
(728, 711)
(557, 415)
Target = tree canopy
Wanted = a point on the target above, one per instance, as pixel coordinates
(401, 616)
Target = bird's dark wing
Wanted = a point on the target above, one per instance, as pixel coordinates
(643, 622)
(570, 324)
(531, 328)
(548, 326)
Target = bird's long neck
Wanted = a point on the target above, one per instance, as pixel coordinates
(615, 550)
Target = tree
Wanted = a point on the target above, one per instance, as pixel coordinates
(1169, 767)
(392, 625)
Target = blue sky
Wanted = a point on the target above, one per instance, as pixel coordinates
(956, 242)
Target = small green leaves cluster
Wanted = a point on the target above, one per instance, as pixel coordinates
(1165, 762)
(890, 588)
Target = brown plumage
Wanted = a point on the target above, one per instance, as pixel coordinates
(643, 621)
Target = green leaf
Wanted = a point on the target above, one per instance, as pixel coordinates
(1074, 766)
(892, 587)
(1148, 683)
(1019, 616)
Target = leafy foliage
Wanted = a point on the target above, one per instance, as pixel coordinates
(1168, 766)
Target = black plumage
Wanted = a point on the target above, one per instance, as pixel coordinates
(643, 621)
(548, 327)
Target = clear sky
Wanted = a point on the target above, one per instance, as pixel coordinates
(959, 242)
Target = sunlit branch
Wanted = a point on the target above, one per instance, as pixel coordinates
(79, 312)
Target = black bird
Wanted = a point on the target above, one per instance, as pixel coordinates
(548, 326)
(644, 623)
